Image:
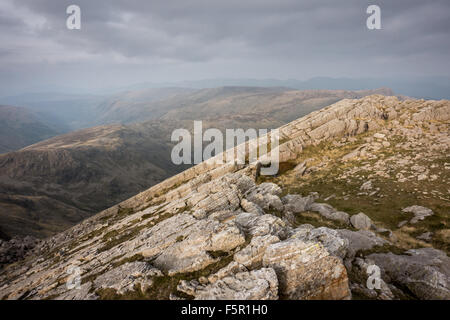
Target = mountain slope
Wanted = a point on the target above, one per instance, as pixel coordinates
(279, 104)
(53, 184)
(139, 105)
(80, 173)
(19, 127)
(211, 232)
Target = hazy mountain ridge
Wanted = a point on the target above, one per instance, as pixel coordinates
(20, 127)
(67, 112)
(417, 87)
(139, 105)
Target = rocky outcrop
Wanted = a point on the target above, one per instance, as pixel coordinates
(184, 244)
(306, 271)
(16, 249)
(259, 284)
(127, 277)
(424, 272)
(211, 232)
(266, 196)
(251, 256)
(361, 272)
(330, 239)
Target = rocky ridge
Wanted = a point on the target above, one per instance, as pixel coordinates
(212, 232)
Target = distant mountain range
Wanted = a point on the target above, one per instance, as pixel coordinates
(427, 87)
(417, 87)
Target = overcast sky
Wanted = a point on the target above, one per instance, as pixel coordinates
(126, 42)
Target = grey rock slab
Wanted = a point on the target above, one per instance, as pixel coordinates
(259, 284)
(425, 272)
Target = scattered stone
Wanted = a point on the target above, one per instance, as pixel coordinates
(249, 206)
(256, 225)
(421, 177)
(232, 268)
(361, 222)
(366, 186)
(426, 236)
(402, 223)
(266, 196)
(420, 213)
(300, 168)
(329, 212)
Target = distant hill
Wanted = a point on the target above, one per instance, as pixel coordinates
(19, 127)
(68, 112)
(139, 105)
(279, 104)
(417, 87)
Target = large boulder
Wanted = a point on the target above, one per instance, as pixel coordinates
(425, 272)
(305, 270)
(295, 203)
(329, 212)
(360, 240)
(361, 222)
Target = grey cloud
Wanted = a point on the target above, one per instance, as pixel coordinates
(247, 38)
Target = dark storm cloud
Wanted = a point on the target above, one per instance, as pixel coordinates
(176, 40)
